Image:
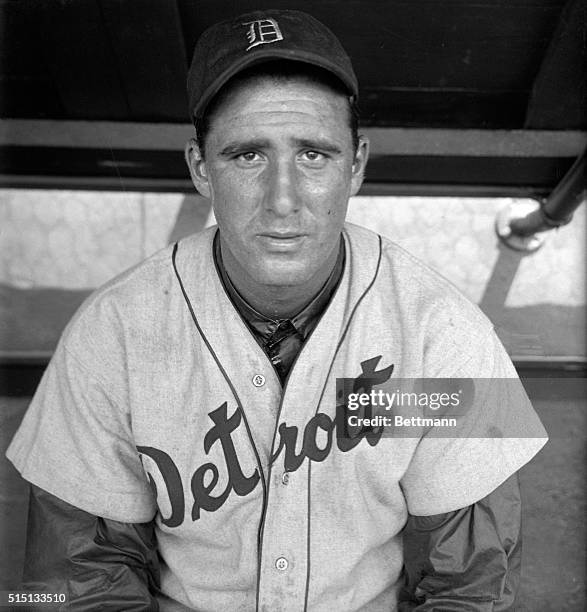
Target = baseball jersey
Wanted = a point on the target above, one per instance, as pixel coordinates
(159, 403)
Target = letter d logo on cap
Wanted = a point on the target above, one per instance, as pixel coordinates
(262, 32)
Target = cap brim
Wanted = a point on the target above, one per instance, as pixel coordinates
(266, 55)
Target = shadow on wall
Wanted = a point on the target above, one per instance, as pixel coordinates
(537, 329)
(191, 217)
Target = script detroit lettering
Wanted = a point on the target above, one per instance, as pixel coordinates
(204, 495)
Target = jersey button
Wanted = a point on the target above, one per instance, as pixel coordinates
(281, 564)
(258, 380)
(285, 478)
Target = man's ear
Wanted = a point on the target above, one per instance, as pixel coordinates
(197, 167)
(359, 164)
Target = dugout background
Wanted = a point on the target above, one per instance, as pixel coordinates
(469, 106)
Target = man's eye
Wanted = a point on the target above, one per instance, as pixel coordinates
(314, 156)
(248, 156)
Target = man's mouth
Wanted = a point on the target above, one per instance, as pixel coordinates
(281, 241)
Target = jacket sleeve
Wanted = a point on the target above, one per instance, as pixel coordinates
(97, 563)
(466, 560)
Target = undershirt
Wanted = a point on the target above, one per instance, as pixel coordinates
(281, 339)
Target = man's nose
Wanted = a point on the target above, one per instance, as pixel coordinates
(282, 196)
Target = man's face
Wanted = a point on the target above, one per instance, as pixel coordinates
(280, 167)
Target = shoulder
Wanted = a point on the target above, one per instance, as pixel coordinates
(132, 304)
(402, 277)
(425, 309)
(152, 277)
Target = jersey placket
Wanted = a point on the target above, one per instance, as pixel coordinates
(284, 560)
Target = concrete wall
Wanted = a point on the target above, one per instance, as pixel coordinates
(58, 245)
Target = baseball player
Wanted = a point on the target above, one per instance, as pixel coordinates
(189, 446)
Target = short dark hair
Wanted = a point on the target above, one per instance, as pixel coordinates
(279, 70)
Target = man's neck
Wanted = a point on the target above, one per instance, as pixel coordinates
(275, 301)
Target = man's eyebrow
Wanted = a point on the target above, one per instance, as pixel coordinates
(238, 146)
(317, 143)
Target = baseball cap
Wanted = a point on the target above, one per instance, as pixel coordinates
(230, 46)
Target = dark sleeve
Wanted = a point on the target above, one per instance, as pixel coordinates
(100, 564)
(466, 560)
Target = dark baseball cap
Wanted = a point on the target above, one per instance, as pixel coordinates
(228, 47)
